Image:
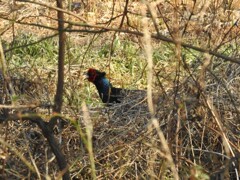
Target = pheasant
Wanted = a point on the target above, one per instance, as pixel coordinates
(107, 92)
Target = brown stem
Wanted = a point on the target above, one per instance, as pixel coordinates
(61, 55)
(47, 131)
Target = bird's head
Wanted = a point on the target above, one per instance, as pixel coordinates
(93, 75)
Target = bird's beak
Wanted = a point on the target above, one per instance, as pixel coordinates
(86, 76)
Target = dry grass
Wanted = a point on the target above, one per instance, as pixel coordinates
(125, 145)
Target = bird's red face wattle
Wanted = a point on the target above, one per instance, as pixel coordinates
(92, 74)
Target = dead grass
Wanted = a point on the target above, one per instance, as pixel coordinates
(125, 144)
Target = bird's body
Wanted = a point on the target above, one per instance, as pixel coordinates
(106, 91)
(110, 94)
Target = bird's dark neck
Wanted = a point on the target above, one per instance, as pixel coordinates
(103, 85)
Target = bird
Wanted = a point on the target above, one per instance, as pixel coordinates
(106, 91)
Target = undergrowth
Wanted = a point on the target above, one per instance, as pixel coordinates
(38, 62)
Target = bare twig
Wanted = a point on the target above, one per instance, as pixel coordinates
(154, 122)
(60, 9)
(158, 37)
(89, 133)
(30, 44)
(47, 131)
(61, 56)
